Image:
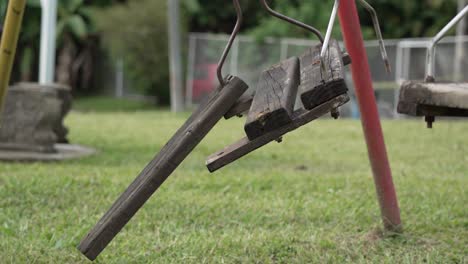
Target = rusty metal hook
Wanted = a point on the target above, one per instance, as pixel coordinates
(378, 32)
(291, 20)
(219, 70)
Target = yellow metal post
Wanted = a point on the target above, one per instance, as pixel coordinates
(8, 44)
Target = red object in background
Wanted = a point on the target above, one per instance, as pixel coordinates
(351, 28)
(204, 81)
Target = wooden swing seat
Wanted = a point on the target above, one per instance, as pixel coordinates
(433, 99)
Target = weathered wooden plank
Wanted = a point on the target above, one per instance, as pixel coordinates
(241, 107)
(244, 146)
(433, 99)
(317, 88)
(414, 109)
(163, 164)
(273, 103)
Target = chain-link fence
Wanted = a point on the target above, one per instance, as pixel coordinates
(249, 58)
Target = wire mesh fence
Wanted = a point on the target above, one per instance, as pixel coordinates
(249, 58)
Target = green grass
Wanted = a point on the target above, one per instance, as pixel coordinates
(107, 104)
(310, 199)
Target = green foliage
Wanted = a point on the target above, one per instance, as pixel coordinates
(406, 19)
(28, 44)
(218, 16)
(3, 6)
(74, 18)
(137, 32)
(315, 13)
(399, 19)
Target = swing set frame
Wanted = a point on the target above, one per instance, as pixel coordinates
(354, 43)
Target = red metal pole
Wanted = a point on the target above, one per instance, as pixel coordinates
(351, 28)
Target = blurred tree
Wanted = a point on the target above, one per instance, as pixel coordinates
(28, 45)
(219, 16)
(312, 13)
(74, 37)
(399, 18)
(410, 19)
(137, 33)
(73, 23)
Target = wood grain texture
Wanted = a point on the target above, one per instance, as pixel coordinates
(433, 99)
(163, 164)
(315, 87)
(242, 106)
(273, 103)
(244, 146)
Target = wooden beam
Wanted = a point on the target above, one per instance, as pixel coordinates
(273, 103)
(163, 164)
(315, 87)
(244, 146)
(241, 107)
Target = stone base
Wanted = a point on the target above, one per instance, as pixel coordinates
(63, 152)
(32, 119)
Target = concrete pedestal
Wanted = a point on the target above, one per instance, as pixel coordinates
(32, 120)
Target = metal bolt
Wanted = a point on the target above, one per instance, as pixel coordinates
(335, 113)
(429, 120)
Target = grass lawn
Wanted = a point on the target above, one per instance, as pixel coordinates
(310, 199)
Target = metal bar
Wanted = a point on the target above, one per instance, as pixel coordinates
(175, 57)
(459, 47)
(378, 32)
(431, 49)
(284, 50)
(8, 44)
(119, 78)
(326, 42)
(219, 70)
(47, 50)
(190, 70)
(398, 77)
(369, 115)
(292, 21)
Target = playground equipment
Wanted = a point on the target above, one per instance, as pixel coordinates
(429, 98)
(280, 82)
(173, 153)
(9, 40)
(321, 81)
(273, 104)
(272, 112)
